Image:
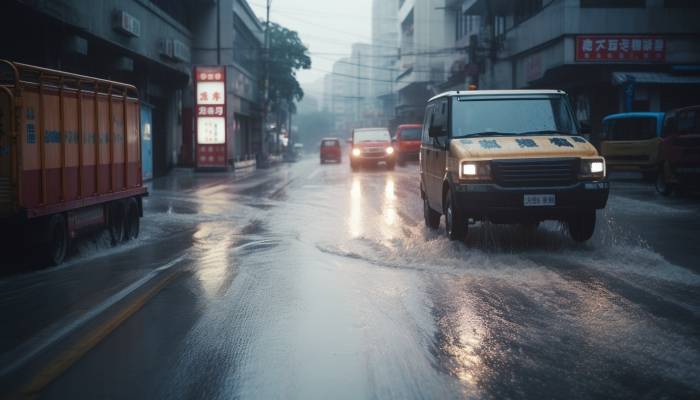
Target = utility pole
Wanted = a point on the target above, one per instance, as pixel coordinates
(267, 75)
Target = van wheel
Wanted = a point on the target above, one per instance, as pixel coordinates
(132, 222)
(455, 223)
(116, 222)
(432, 217)
(582, 225)
(58, 240)
(662, 186)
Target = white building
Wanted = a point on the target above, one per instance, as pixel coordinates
(384, 61)
(427, 52)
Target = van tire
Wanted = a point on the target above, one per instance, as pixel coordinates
(58, 240)
(431, 217)
(582, 225)
(455, 224)
(662, 186)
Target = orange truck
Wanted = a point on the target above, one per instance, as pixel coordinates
(70, 159)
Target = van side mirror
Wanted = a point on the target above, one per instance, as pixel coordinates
(586, 128)
(435, 131)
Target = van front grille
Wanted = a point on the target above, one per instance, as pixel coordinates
(536, 173)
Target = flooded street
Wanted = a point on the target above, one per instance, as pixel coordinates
(308, 281)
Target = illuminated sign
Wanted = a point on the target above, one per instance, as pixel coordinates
(210, 114)
(620, 48)
(211, 130)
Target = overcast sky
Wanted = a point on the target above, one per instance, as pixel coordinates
(327, 27)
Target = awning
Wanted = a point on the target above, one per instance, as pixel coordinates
(654, 78)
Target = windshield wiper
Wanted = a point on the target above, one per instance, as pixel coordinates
(485, 134)
(546, 132)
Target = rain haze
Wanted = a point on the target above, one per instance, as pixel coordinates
(365, 199)
(327, 27)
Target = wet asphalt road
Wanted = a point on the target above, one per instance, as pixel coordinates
(310, 282)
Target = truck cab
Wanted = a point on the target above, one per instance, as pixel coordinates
(512, 157)
(630, 141)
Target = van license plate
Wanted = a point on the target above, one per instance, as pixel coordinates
(539, 200)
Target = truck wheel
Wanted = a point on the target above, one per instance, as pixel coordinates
(58, 240)
(662, 186)
(455, 223)
(116, 222)
(432, 217)
(132, 222)
(582, 225)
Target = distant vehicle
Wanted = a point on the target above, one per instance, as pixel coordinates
(679, 162)
(330, 150)
(372, 146)
(407, 142)
(508, 156)
(630, 141)
(70, 159)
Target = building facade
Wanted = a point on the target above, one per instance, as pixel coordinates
(153, 45)
(609, 55)
(427, 53)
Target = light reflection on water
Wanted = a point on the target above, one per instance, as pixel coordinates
(355, 220)
(212, 267)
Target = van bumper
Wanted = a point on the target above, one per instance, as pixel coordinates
(506, 205)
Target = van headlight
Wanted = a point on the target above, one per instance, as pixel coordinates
(593, 168)
(475, 171)
(356, 152)
(389, 150)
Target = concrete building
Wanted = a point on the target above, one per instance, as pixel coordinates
(609, 55)
(427, 52)
(153, 45)
(351, 90)
(384, 61)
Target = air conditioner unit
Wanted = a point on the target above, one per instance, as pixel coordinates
(126, 23)
(165, 48)
(181, 51)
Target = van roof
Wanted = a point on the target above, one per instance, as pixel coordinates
(497, 93)
(657, 115)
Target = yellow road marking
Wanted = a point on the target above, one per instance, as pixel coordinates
(60, 364)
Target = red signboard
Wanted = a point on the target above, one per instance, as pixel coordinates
(210, 115)
(620, 48)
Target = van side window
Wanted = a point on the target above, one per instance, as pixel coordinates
(687, 122)
(426, 124)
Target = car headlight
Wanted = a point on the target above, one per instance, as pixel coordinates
(389, 150)
(593, 168)
(356, 152)
(475, 170)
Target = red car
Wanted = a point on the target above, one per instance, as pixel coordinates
(407, 142)
(330, 150)
(679, 163)
(371, 146)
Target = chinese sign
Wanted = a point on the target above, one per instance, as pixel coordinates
(211, 130)
(210, 113)
(620, 48)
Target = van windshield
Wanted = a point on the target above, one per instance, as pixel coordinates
(631, 128)
(511, 116)
(371, 136)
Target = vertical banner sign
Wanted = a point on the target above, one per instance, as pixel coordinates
(210, 116)
(620, 48)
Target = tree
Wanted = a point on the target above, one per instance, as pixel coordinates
(287, 55)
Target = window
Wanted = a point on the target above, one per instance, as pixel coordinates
(330, 143)
(525, 9)
(681, 3)
(410, 134)
(426, 124)
(688, 122)
(630, 128)
(613, 3)
(511, 116)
